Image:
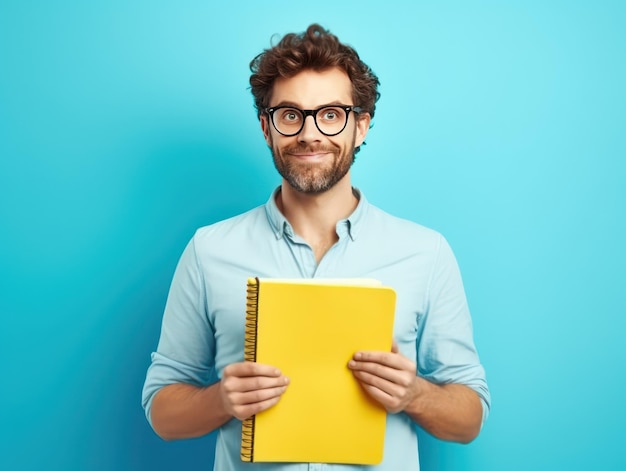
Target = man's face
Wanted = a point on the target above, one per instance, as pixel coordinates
(310, 161)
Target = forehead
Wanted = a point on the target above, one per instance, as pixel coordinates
(311, 89)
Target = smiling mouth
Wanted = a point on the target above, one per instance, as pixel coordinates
(309, 154)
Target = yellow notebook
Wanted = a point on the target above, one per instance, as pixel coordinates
(310, 329)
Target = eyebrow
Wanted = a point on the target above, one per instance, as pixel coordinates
(295, 105)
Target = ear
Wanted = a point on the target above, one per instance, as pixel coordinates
(265, 127)
(362, 126)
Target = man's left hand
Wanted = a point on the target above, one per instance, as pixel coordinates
(388, 377)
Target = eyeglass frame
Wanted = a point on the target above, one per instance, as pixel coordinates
(306, 113)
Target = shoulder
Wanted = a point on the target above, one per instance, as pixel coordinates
(231, 226)
(400, 229)
(229, 236)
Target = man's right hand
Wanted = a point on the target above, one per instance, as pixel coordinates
(248, 388)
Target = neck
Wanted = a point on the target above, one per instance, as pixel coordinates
(314, 217)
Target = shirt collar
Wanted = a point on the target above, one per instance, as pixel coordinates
(350, 225)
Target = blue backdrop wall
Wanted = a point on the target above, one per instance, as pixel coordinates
(126, 125)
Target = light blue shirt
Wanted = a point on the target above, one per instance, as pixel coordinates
(203, 324)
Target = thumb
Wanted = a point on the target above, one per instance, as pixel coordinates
(394, 346)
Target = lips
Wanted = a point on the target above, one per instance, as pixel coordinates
(309, 153)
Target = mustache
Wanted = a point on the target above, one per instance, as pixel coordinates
(308, 149)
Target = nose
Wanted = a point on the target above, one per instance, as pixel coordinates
(309, 132)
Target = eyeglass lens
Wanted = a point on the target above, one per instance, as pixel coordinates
(329, 120)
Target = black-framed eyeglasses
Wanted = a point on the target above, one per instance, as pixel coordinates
(330, 120)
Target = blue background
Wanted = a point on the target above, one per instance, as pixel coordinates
(126, 125)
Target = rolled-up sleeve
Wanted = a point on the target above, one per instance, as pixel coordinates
(446, 352)
(186, 349)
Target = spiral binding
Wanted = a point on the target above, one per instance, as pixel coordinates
(249, 354)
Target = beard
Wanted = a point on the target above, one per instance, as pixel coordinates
(313, 178)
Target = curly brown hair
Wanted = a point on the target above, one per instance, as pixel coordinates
(315, 49)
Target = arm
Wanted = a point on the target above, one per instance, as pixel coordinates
(187, 411)
(450, 412)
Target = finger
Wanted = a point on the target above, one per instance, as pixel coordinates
(253, 397)
(394, 346)
(242, 412)
(249, 368)
(391, 403)
(392, 360)
(252, 383)
(394, 387)
(380, 395)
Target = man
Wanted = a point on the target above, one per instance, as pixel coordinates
(315, 99)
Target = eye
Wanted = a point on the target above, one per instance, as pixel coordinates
(289, 116)
(330, 114)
